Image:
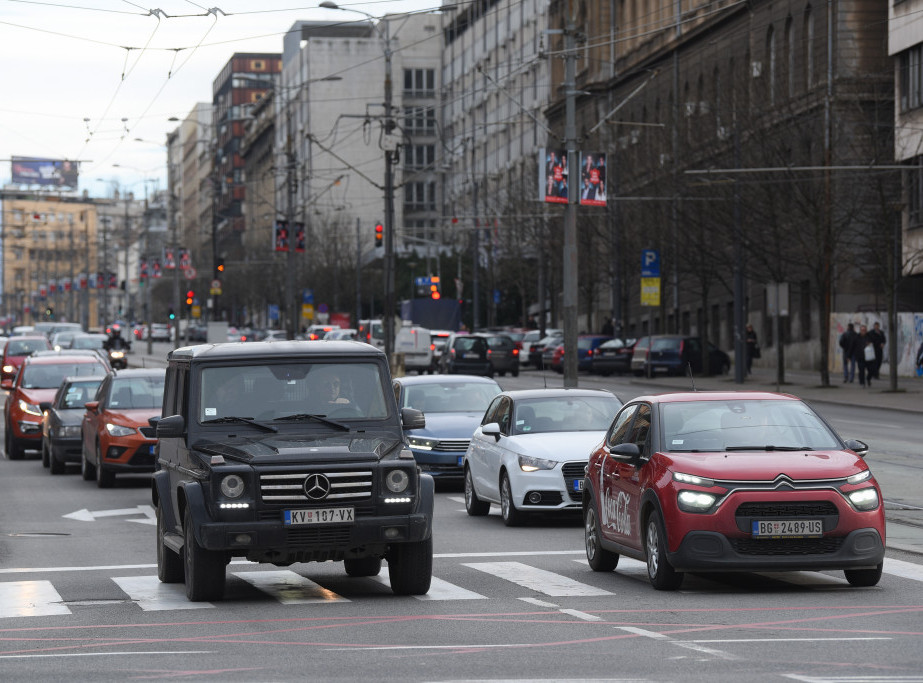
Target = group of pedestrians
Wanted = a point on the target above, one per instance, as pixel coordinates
(863, 349)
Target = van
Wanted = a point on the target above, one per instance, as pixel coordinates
(416, 344)
(372, 332)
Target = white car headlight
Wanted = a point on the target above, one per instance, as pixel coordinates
(529, 464)
(695, 501)
(119, 430)
(692, 479)
(421, 443)
(29, 408)
(397, 481)
(864, 499)
(232, 486)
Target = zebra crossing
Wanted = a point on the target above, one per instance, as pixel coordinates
(36, 598)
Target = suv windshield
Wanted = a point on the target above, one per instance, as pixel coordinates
(271, 391)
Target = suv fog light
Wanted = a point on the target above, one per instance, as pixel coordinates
(393, 532)
(397, 481)
(241, 539)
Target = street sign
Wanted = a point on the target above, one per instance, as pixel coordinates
(215, 288)
(650, 263)
(422, 281)
(650, 291)
(189, 273)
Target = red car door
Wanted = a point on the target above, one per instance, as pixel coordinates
(620, 491)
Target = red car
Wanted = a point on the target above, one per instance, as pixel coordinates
(116, 435)
(32, 393)
(15, 351)
(731, 481)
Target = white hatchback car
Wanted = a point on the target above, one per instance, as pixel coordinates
(529, 453)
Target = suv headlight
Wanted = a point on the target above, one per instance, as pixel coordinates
(397, 481)
(529, 464)
(29, 408)
(119, 430)
(68, 431)
(695, 501)
(421, 443)
(864, 499)
(232, 486)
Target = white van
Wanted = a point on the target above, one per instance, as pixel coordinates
(414, 342)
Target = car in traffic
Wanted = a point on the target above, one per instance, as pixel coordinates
(161, 332)
(537, 350)
(415, 344)
(453, 406)
(586, 348)
(613, 357)
(61, 425)
(466, 354)
(675, 355)
(32, 392)
(91, 342)
(530, 451)
(64, 339)
(116, 436)
(318, 331)
(16, 351)
(731, 481)
(438, 339)
(530, 338)
(503, 353)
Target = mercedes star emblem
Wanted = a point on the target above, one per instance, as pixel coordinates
(316, 486)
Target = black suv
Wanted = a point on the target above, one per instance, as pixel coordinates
(285, 452)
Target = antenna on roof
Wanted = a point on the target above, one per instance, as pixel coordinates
(689, 372)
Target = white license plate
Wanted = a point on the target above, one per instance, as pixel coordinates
(578, 484)
(471, 355)
(788, 528)
(321, 516)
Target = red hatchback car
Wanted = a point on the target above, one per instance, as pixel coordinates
(16, 350)
(32, 393)
(731, 481)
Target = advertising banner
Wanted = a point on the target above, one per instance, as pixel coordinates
(592, 179)
(280, 238)
(49, 172)
(552, 181)
(650, 291)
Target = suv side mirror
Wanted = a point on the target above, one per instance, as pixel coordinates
(411, 418)
(172, 427)
(626, 451)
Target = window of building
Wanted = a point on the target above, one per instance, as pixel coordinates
(420, 120)
(417, 157)
(420, 82)
(910, 78)
(420, 196)
(790, 56)
(771, 65)
(808, 43)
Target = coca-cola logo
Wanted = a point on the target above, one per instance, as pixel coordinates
(615, 512)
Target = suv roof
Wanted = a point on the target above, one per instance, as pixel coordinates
(275, 349)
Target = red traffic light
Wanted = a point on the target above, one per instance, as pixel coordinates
(190, 296)
(379, 234)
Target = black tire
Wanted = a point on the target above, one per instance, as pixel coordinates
(511, 515)
(864, 578)
(169, 564)
(515, 371)
(410, 567)
(600, 559)
(365, 566)
(45, 459)
(659, 570)
(55, 466)
(13, 450)
(204, 569)
(87, 471)
(104, 478)
(474, 506)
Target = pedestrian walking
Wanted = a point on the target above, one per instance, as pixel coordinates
(878, 342)
(753, 346)
(848, 346)
(865, 356)
(920, 360)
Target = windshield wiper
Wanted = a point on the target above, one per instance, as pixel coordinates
(768, 448)
(311, 416)
(237, 418)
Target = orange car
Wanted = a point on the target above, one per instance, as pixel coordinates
(115, 433)
(16, 349)
(32, 392)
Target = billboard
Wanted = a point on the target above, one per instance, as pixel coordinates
(281, 237)
(592, 179)
(51, 172)
(552, 176)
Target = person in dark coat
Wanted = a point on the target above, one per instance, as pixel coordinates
(878, 342)
(848, 346)
(753, 346)
(865, 360)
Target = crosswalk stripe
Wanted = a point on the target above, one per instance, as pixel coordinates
(538, 580)
(906, 570)
(438, 590)
(290, 588)
(30, 599)
(152, 596)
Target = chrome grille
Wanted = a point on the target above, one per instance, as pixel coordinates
(453, 445)
(288, 487)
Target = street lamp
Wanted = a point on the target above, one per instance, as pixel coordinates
(390, 149)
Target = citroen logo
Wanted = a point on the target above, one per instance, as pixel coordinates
(316, 486)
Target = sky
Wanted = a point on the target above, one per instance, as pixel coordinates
(96, 81)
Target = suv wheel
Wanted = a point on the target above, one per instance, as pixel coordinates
(55, 466)
(366, 566)
(13, 450)
(659, 570)
(511, 515)
(104, 478)
(410, 567)
(600, 559)
(45, 459)
(87, 471)
(474, 506)
(204, 569)
(862, 578)
(169, 563)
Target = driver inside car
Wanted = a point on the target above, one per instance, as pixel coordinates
(326, 386)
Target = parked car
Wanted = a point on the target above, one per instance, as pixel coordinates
(16, 351)
(466, 354)
(613, 356)
(161, 332)
(116, 436)
(318, 331)
(438, 338)
(61, 427)
(531, 448)
(503, 353)
(343, 334)
(453, 406)
(32, 392)
(731, 481)
(537, 350)
(530, 338)
(674, 354)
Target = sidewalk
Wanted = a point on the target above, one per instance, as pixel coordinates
(904, 526)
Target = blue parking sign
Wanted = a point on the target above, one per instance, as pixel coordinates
(650, 263)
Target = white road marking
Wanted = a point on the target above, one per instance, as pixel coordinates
(643, 632)
(784, 640)
(443, 590)
(290, 588)
(30, 599)
(869, 678)
(109, 654)
(457, 499)
(906, 570)
(153, 596)
(581, 615)
(689, 645)
(538, 580)
(537, 602)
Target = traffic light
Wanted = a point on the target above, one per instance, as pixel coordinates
(379, 234)
(220, 267)
(190, 297)
(172, 314)
(434, 288)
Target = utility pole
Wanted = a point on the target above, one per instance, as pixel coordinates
(290, 231)
(358, 274)
(570, 209)
(389, 201)
(177, 311)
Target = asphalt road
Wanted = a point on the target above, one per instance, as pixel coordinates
(79, 600)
